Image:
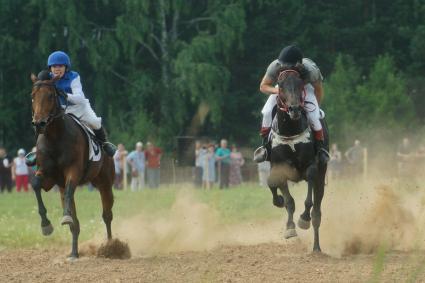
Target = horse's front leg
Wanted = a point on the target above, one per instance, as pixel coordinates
(70, 214)
(46, 226)
(290, 208)
(305, 218)
(273, 184)
(277, 199)
(316, 214)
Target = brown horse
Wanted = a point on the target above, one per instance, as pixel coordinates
(63, 159)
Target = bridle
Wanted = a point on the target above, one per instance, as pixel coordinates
(281, 104)
(57, 111)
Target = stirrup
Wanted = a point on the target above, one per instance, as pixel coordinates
(109, 148)
(260, 154)
(31, 159)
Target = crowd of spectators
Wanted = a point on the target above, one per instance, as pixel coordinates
(349, 164)
(217, 164)
(142, 164)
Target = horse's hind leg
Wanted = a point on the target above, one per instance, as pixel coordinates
(305, 218)
(75, 230)
(290, 208)
(107, 203)
(74, 224)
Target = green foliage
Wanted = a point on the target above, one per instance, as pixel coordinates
(358, 103)
(149, 67)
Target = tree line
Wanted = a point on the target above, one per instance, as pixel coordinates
(156, 69)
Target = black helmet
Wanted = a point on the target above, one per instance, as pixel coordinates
(291, 55)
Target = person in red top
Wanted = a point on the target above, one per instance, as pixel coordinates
(153, 161)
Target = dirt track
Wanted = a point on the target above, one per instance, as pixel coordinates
(258, 263)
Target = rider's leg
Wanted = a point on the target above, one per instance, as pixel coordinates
(263, 152)
(90, 118)
(313, 115)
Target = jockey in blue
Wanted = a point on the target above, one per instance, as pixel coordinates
(69, 85)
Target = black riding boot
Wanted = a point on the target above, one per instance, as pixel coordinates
(108, 147)
(322, 153)
(262, 153)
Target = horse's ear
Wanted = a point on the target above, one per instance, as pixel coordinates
(33, 78)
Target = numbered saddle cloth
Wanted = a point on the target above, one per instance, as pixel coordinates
(95, 149)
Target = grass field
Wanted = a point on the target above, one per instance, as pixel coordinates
(20, 222)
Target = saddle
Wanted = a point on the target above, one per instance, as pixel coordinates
(95, 147)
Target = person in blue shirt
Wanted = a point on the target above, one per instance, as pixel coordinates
(137, 159)
(72, 98)
(223, 157)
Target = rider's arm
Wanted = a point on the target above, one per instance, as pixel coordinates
(266, 86)
(318, 90)
(77, 95)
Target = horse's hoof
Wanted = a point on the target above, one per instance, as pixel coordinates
(317, 251)
(72, 258)
(303, 224)
(289, 233)
(278, 201)
(47, 230)
(67, 220)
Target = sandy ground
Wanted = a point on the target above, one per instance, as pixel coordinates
(257, 263)
(370, 233)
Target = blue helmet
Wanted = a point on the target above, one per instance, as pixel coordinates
(59, 58)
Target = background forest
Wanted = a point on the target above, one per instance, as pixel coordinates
(156, 69)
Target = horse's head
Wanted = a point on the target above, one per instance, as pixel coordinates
(291, 93)
(45, 105)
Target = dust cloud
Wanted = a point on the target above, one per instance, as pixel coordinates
(191, 226)
(358, 217)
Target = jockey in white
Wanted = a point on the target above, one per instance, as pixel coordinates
(289, 57)
(72, 98)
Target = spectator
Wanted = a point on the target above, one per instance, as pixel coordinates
(197, 172)
(263, 173)
(354, 157)
(5, 171)
(207, 160)
(119, 162)
(335, 162)
(153, 157)
(136, 159)
(236, 162)
(223, 157)
(20, 171)
(404, 158)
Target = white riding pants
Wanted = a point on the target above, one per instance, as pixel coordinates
(85, 113)
(311, 108)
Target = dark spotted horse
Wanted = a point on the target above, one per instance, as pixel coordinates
(293, 156)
